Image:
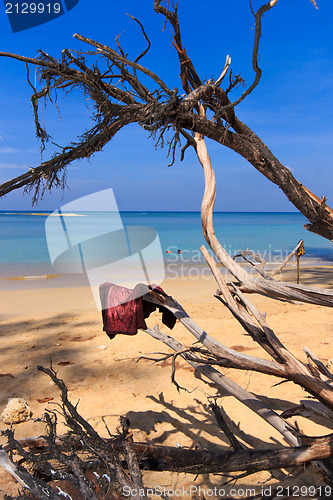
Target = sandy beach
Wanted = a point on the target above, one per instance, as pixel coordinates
(62, 325)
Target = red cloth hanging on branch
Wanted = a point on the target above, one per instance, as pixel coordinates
(124, 310)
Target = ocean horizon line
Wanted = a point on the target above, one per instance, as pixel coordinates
(142, 211)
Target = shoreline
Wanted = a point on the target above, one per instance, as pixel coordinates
(174, 270)
(57, 293)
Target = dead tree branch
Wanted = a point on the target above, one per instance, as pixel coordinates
(258, 72)
(249, 284)
(118, 453)
(317, 384)
(226, 384)
(168, 458)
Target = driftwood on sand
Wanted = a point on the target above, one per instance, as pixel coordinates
(70, 458)
(203, 111)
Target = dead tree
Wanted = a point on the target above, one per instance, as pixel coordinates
(203, 111)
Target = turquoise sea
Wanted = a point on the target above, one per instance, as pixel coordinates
(24, 252)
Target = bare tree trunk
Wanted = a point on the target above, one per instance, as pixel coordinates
(168, 458)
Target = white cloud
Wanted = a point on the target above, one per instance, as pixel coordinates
(8, 150)
(14, 165)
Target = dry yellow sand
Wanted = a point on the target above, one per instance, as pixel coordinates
(63, 325)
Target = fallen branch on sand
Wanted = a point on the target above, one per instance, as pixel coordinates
(82, 452)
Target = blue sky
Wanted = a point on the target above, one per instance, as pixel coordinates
(291, 109)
